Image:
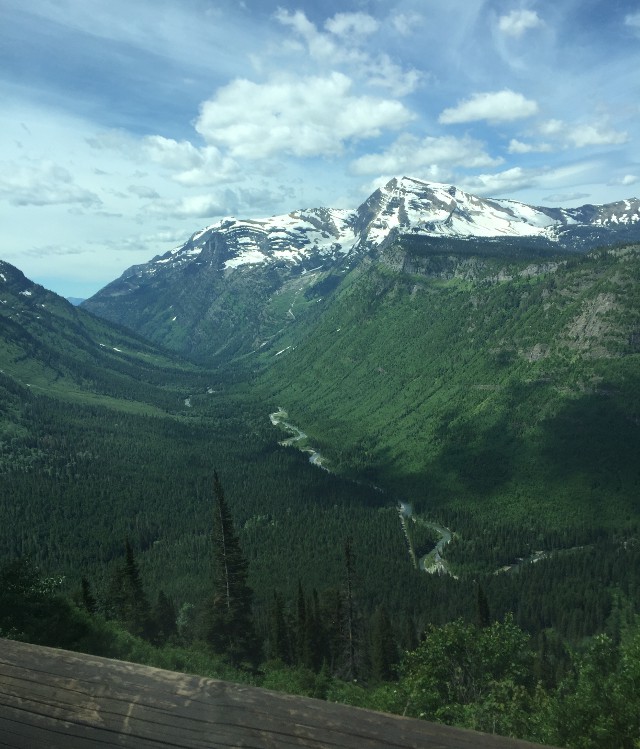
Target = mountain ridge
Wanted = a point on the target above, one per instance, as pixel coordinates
(231, 286)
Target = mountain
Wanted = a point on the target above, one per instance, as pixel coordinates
(50, 346)
(492, 387)
(234, 285)
(499, 387)
(106, 437)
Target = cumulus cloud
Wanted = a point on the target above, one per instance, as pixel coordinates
(313, 116)
(43, 184)
(191, 166)
(517, 146)
(193, 206)
(350, 24)
(341, 45)
(626, 180)
(410, 154)
(583, 135)
(518, 21)
(501, 183)
(596, 135)
(171, 153)
(495, 106)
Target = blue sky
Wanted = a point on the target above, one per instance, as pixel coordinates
(127, 126)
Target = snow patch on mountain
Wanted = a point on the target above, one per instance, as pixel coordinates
(403, 207)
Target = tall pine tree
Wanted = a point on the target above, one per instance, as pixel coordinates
(229, 625)
(126, 599)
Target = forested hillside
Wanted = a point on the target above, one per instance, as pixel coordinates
(503, 387)
(496, 397)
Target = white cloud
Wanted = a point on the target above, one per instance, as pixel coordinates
(517, 146)
(314, 116)
(501, 183)
(406, 23)
(410, 155)
(352, 24)
(170, 153)
(342, 47)
(43, 184)
(384, 73)
(193, 206)
(552, 127)
(191, 166)
(633, 20)
(518, 21)
(496, 106)
(596, 135)
(628, 179)
(583, 135)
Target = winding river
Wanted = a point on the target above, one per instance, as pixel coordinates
(432, 562)
(279, 419)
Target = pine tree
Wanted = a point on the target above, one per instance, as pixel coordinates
(384, 651)
(127, 601)
(229, 627)
(303, 643)
(278, 633)
(89, 602)
(482, 607)
(164, 620)
(351, 626)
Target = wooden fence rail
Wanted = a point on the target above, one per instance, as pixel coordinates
(55, 699)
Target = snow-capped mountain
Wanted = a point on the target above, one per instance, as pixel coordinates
(402, 207)
(227, 276)
(409, 206)
(291, 238)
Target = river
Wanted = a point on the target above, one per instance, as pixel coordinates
(432, 562)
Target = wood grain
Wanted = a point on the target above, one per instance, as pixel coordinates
(55, 699)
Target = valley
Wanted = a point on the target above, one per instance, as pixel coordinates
(473, 401)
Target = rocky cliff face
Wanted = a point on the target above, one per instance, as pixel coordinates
(228, 288)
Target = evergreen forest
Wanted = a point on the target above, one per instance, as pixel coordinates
(463, 548)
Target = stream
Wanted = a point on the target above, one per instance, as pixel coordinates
(432, 562)
(278, 419)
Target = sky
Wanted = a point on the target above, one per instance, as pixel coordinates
(126, 126)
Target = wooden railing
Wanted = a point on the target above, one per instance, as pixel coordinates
(55, 699)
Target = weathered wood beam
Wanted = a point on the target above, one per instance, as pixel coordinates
(55, 699)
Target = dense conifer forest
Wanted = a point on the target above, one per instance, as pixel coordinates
(148, 511)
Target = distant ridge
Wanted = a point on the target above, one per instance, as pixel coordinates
(216, 295)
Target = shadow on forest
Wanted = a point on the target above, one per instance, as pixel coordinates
(596, 438)
(588, 450)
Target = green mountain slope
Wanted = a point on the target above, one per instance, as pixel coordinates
(497, 394)
(103, 436)
(50, 346)
(508, 387)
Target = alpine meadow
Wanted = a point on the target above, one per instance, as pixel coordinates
(386, 456)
